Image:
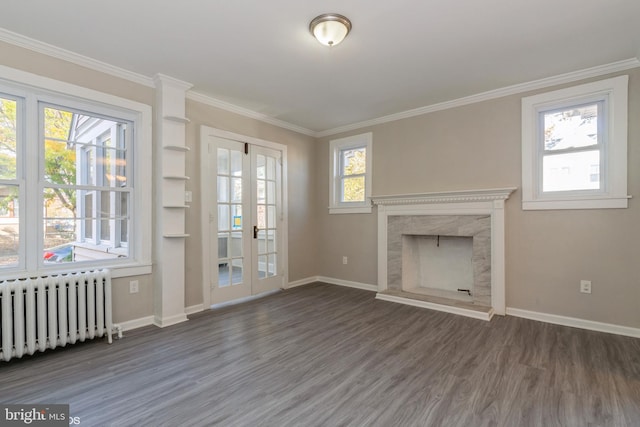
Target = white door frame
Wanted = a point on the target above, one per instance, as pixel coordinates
(207, 217)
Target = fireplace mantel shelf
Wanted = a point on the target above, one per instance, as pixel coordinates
(445, 197)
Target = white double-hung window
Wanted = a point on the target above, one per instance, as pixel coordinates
(350, 174)
(70, 181)
(574, 147)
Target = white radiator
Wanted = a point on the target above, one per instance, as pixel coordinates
(49, 312)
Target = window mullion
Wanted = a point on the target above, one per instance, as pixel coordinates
(595, 147)
(33, 188)
(20, 180)
(354, 175)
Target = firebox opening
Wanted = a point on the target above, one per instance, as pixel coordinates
(438, 265)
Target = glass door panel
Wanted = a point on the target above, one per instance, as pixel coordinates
(232, 278)
(246, 220)
(267, 169)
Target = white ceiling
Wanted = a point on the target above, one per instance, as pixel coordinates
(401, 54)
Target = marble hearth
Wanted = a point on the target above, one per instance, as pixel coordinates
(404, 221)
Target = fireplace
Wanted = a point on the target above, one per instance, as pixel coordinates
(427, 252)
(443, 251)
(438, 266)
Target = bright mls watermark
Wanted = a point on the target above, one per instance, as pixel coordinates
(35, 415)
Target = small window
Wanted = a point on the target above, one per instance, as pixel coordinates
(350, 186)
(574, 147)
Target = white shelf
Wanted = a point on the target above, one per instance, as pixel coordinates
(175, 236)
(177, 119)
(176, 148)
(180, 177)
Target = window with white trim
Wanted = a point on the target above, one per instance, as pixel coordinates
(350, 174)
(68, 180)
(574, 147)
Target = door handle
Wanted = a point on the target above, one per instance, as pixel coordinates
(255, 231)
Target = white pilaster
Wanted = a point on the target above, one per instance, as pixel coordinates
(382, 248)
(498, 291)
(170, 178)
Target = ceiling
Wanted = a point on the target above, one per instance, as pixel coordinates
(400, 55)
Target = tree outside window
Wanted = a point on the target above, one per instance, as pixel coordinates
(85, 195)
(351, 172)
(354, 168)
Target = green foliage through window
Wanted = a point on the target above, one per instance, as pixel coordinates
(354, 167)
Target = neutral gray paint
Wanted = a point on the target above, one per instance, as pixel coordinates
(475, 146)
(547, 252)
(301, 172)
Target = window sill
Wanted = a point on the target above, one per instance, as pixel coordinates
(126, 270)
(350, 210)
(585, 203)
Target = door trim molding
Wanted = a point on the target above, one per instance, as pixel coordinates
(206, 132)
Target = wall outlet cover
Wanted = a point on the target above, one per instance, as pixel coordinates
(585, 286)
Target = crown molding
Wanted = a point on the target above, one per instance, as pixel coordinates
(213, 102)
(164, 80)
(573, 76)
(464, 196)
(85, 61)
(75, 58)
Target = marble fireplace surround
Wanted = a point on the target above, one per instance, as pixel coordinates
(404, 261)
(412, 214)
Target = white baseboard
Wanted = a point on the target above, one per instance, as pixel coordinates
(532, 315)
(136, 323)
(438, 307)
(244, 299)
(348, 284)
(332, 281)
(194, 309)
(163, 322)
(149, 320)
(575, 322)
(302, 282)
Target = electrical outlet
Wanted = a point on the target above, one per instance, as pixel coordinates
(585, 286)
(345, 260)
(134, 287)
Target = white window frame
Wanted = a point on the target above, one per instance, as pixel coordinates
(34, 89)
(336, 147)
(613, 93)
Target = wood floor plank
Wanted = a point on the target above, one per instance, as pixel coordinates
(322, 355)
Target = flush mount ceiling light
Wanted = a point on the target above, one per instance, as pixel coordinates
(330, 28)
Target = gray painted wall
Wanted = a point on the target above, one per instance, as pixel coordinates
(547, 252)
(469, 147)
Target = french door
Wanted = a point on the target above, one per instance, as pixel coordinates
(246, 219)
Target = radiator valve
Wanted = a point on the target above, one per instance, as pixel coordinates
(118, 329)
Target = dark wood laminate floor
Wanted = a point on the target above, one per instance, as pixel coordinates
(322, 355)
